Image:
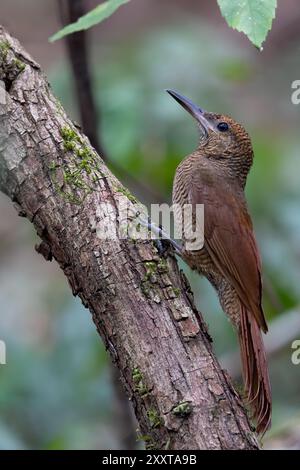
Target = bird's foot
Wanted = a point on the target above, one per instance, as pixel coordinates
(162, 246)
(163, 241)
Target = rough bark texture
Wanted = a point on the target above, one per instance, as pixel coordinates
(77, 45)
(141, 305)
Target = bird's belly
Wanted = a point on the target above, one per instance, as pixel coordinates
(203, 264)
(201, 261)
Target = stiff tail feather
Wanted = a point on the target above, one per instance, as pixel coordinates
(255, 370)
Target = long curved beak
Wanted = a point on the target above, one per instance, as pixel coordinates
(197, 112)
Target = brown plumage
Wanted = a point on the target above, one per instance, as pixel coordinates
(215, 175)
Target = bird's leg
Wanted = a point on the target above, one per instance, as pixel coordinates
(163, 241)
(162, 238)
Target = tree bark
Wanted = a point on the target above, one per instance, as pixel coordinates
(141, 304)
(77, 50)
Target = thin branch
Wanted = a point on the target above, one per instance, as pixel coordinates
(70, 11)
(90, 114)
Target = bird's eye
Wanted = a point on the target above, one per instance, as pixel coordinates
(223, 126)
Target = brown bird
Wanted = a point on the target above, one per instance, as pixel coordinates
(215, 175)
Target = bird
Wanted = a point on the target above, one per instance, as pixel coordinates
(215, 175)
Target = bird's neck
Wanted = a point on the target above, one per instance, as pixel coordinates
(238, 167)
(229, 164)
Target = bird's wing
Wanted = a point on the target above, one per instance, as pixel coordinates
(230, 241)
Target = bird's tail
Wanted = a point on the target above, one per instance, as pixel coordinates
(255, 370)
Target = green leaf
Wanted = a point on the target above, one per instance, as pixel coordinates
(93, 17)
(252, 17)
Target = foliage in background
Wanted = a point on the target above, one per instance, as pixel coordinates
(252, 17)
(147, 135)
(55, 391)
(93, 17)
(56, 395)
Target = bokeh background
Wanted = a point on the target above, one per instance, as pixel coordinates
(58, 390)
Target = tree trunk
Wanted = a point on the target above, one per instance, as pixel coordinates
(141, 304)
(77, 50)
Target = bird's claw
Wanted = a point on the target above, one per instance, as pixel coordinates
(162, 245)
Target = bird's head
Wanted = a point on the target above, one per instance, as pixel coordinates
(222, 138)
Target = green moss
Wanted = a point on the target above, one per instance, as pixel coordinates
(146, 288)
(139, 384)
(69, 135)
(151, 269)
(73, 178)
(149, 281)
(80, 173)
(85, 153)
(69, 145)
(162, 266)
(155, 420)
(4, 48)
(143, 437)
(183, 409)
(149, 278)
(176, 291)
(52, 166)
(127, 193)
(19, 65)
(148, 440)
(136, 375)
(151, 445)
(167, 444)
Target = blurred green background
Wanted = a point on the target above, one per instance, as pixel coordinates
(57, 391)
